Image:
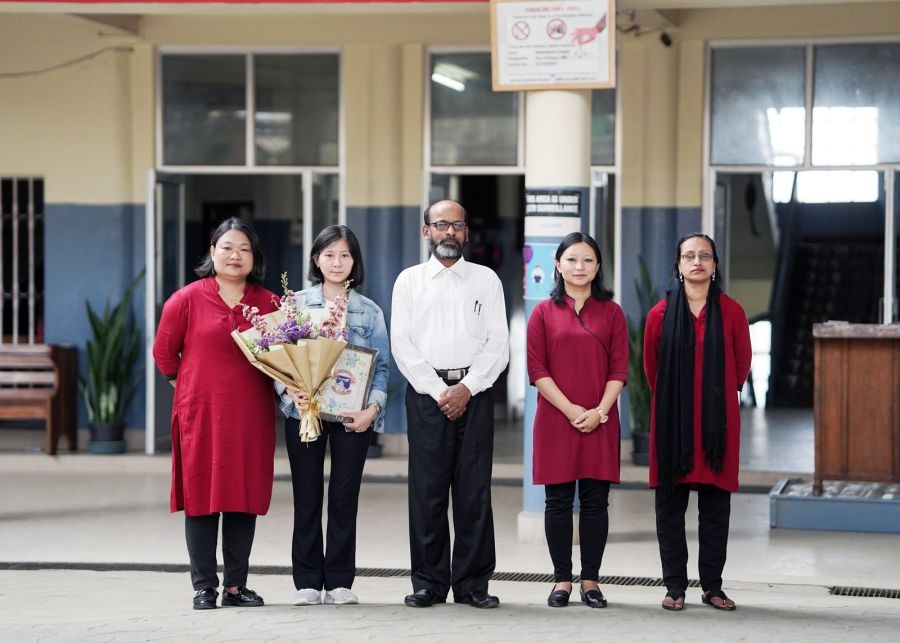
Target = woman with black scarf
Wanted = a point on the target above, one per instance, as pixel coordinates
(696, 358)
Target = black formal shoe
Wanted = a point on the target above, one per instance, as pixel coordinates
(593, 598)
(480, 599)
(242, 598)
(558, 598)
(423, 598)
(205, 599)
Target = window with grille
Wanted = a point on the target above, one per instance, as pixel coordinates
(22, 259)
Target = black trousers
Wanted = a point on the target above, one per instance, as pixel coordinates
(334, 565)
(201, 533)
(445, 455)
(593, 528)
(714, 507)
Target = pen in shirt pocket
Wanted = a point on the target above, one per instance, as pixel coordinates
(477, 308)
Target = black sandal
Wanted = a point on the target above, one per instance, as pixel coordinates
(718, 593)
(674, 594)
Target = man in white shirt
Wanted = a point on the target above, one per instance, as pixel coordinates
(449, 338)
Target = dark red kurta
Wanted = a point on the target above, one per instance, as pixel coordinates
(223, 416)
(561, 348)
(736, 333)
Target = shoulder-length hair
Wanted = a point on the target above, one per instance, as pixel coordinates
(676, 271)
(207, 268)
(328, 236)
(558, 294)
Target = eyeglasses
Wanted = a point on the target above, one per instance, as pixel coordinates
(702, 256)
(443, 226)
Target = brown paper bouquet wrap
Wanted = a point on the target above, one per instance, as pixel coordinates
(297, 348)
(304, 366)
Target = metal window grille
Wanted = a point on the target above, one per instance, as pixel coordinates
(22, 259)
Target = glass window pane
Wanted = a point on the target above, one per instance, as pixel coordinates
(603, 127)
(204, 109)
(758, 106)
(856, 104)
(470, 123)
(297, 106)
(326, 202)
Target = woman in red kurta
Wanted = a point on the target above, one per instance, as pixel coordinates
(696, 358)
(578, 360)
(223, 420)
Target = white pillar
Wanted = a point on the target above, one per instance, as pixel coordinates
(557, 179)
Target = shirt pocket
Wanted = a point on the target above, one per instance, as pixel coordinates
(474, 314)
(360, 328)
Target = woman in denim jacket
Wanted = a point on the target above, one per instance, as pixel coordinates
(335, 257)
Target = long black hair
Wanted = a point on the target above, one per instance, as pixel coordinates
(676, 271)
(328, 236)
(207, 268)
(558, 294)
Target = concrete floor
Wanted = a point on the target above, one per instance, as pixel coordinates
(113, 510)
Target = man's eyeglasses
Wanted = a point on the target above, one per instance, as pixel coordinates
(702, 256)
(443, 226)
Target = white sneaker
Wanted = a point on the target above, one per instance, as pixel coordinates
(340, 596)
(307, 596)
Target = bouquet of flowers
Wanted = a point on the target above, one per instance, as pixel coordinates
(297, 348)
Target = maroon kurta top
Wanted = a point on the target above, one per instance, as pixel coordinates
(581, 353)
(223, 415)
(736, 334)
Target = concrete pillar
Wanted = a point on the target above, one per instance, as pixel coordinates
(557, 179)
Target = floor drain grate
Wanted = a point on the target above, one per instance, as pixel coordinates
(864, 592)
(284, 570)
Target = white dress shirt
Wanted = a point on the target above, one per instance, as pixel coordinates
(449, 318)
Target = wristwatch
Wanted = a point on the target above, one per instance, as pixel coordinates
(378, 408)
(603, 416)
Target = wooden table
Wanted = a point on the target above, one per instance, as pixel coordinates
(857, 402)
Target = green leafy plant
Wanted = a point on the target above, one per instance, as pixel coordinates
(112, 359)
(638, 389)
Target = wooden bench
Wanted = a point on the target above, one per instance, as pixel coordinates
(37, 382)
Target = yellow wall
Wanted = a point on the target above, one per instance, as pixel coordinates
(89, 128)
(73, 126)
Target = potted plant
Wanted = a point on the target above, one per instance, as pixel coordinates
(638, 390)
(112, 362)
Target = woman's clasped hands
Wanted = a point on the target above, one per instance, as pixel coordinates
(585, 420)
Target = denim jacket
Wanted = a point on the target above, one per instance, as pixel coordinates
(365, 322)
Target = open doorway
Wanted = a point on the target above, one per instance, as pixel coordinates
(496, 207)
(797, 248)
(287, 211)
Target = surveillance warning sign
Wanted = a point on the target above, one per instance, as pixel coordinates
(552, 45)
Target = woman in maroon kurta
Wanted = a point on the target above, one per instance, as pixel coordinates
(578, 360)
(223, 421)
(696, 358)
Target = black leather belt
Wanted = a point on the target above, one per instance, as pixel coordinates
(451, 374)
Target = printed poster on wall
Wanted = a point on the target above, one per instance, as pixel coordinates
(550, 214)
(553, 45)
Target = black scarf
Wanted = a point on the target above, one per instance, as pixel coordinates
(675, 387)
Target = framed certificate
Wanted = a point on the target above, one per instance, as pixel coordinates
(348, 388)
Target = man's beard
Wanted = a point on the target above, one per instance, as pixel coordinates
(449, 248)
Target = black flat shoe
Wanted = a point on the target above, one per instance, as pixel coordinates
(558, 598)
(205, 599)
(480, 599)
(423, 598)
(593, 598)
(242, 598)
